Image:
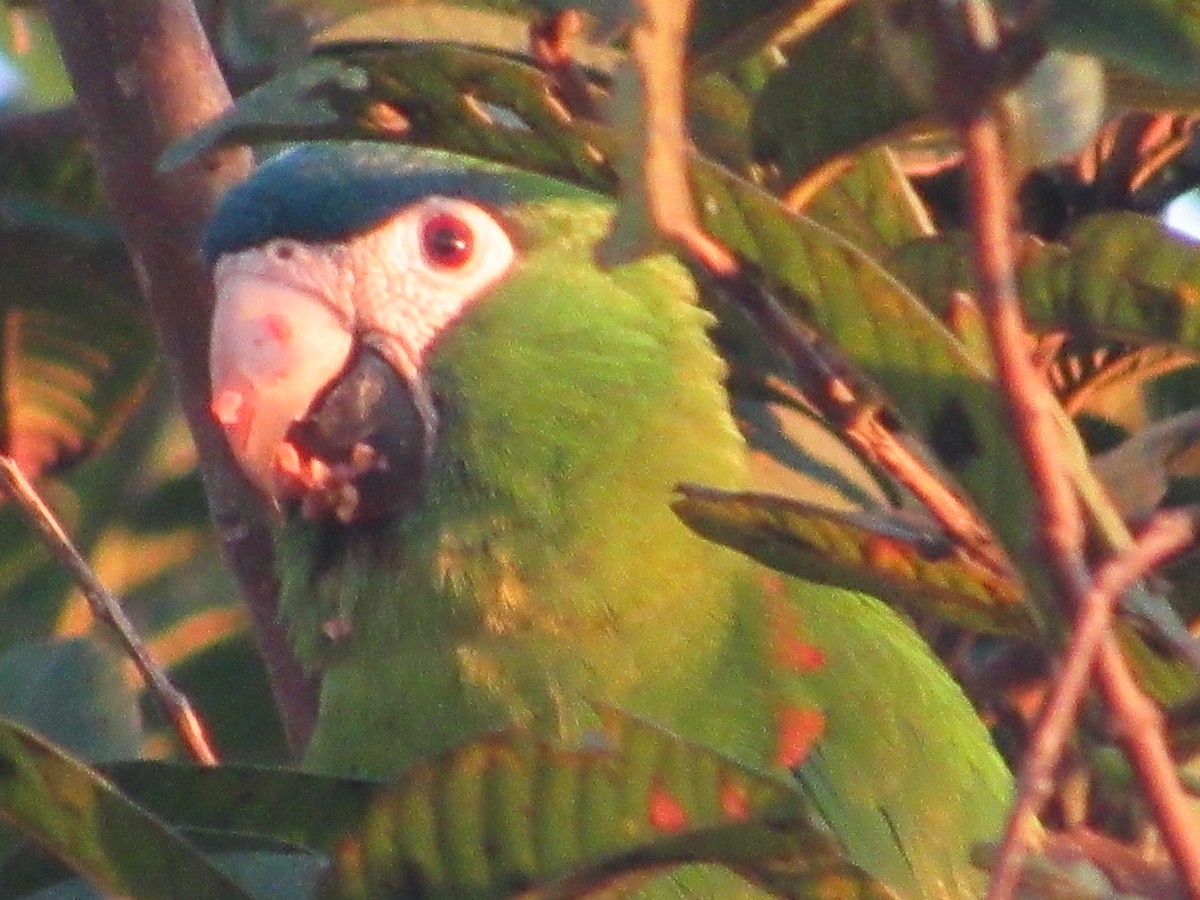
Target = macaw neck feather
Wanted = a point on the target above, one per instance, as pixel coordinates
(545, 566)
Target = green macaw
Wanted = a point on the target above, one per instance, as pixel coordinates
(472, 435)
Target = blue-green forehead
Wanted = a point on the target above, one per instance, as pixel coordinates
(328, 192)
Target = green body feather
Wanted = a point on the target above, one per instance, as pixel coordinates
(545, 571)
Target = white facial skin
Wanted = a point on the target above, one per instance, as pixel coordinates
(287, 315)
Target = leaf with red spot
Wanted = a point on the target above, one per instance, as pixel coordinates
(508, 814)
(890, 558)
(511, 814)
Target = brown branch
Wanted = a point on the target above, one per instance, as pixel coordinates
(145, 77)
(107, 609)
(1061, 533)
(838, 395)
(1166, 535)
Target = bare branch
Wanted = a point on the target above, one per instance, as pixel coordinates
(107, 608)
(144, 77)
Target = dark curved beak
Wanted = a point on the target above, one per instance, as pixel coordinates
(364, 445)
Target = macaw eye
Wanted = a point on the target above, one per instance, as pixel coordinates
(447, 241)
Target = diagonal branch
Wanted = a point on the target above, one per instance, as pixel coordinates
(1061, 530)
(144, 77)
(107, 608)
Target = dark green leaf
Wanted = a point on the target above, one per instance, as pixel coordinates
(803, 118)
(878, 553)
(1118, 276)
(471, 101)
(506, 812)
(722, 32)
(1156, 38)
(74, 693)
(77, 815)
(509, 815)
(872, 204)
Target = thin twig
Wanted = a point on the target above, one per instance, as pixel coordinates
(1166, 535)
(1028, 399)
(107, 609)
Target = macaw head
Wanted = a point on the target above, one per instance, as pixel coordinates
(350, 283)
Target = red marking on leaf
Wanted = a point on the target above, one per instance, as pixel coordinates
(799, 728)
(797, 655)
(889, 554)
(788, 650)
(664, 811)
(772, 584)
(228, 407)
(735, 803)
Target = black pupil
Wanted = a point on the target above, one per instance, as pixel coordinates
(447, 240)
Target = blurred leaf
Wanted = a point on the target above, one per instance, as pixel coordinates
(1139, 92)
(722, 32)
(803, 118)
(26, 41)
(1156, 38)
(225, 679)
(77, 349)
(51, 181)
(506, 813)
(77, 346)
(1136, 472)
(1118, 276)
(73, 812)
(74, 693)
(1055, 111)
(881, 554)
(265, 875)
(470, 24)
(872, 203)
(430, 94)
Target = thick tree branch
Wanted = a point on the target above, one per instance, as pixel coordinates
(145, 77)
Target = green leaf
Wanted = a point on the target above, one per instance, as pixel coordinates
(1117, 276)
(506, 812)
(881, 554)
(872, 204)
(431, 94)
(79, 817)
(74, 693)
(803, 118)
(1159, 39)
(942, 394)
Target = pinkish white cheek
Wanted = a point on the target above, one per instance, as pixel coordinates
(274, 349)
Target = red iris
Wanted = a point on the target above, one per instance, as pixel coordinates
(447, 241)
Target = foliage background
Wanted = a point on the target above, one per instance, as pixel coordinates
(86, 405)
